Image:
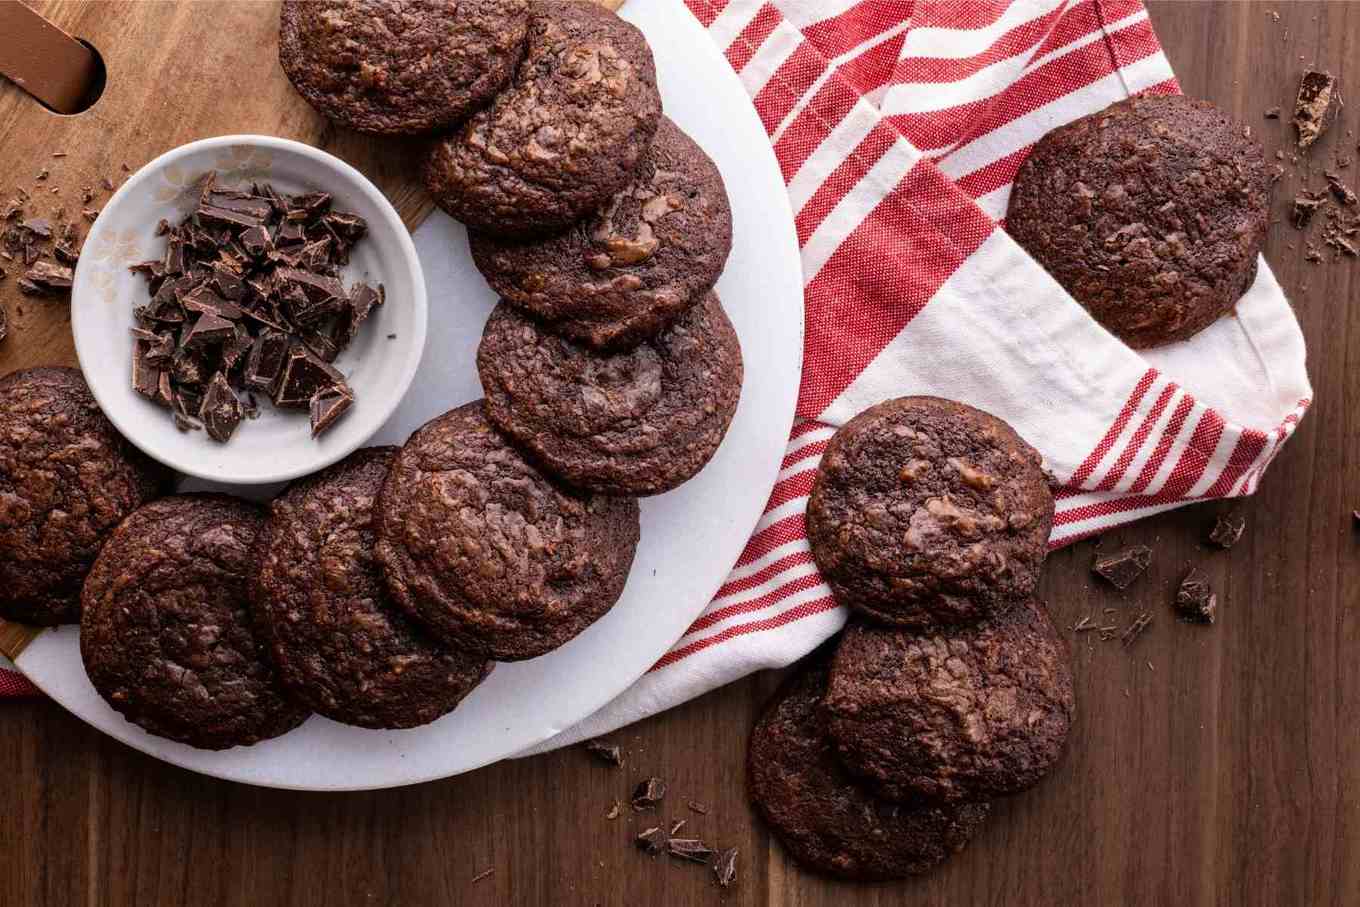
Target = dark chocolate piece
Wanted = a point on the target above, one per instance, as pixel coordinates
(1316, 106)
(651, 841)
(1228, 528)
(221, 412)
(604, 752)
(1344, 194)
(213, 216)
(1123, 567)
(1306, 204)
(725, 867)
(1195, 600)
(207, 330)
(50, 277)
(145, 377)
(691, 849)
(303, 377)
(264, 368)
(327, 407)
(649, 793)
(1135, 629)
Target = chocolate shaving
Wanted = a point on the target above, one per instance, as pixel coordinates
(725, 867)
(604, 752)
(691, 849)
(1316, 106)
(651, 841)
(1135, 629)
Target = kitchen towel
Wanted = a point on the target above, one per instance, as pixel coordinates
(899, 126)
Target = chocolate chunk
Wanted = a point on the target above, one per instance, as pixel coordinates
(145, 377)
(309, 206)
(350, 227)
(51, 278)
(221, 412)
(188, 369)
(691, 849)
(66, 254)
(213, 216)
(327, 407)
(725, 867)
(204, 300)
(256, 241)
(604, 752)
(1195, 601)
(1228, 528)
(258, 209)
(649, 793)
(696, 807)
(29, 288)
(1123, 567)
(303, 377)
(290, 234)
(1305, 206)
(1344, 194)
(38, 227)
(315, 255)
(235, 352)
(363, 299)
(652, 841)
(207, 330)
(1316, 106)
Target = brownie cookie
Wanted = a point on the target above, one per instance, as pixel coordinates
(622, 275)
(340, 644)
(826, 819)
(634, 423)
(566, 135)
(1151, 213)
(400, 67)
(487, 552)
(167, 635)
(926, 510)
(67, 478)
(970, 714)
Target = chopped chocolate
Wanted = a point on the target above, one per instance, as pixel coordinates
(363, 299)
(725, 867)
(50, 278)
(327, 407)
(29, 288)
(350, 227)
(676, 825)
(604, 752)
(1316, 106)
(1135, 629)
(40, 227)
(1305, 206)
(209, 329)
(221, 412)
(615, 810)
(213, 216)
(188, 369)
(696, 807)
(90, 214)
(651, 841)
(290, 234)
(204, 300)
(303, 377)
(65, 254)
(42, 174)
(1344, 194)
(145, 376)
(234, 354)
(649, 793)
(1272, 113)
(256, 241)
(1228, 528)
(1195, 601)
(689, 849)
(256, 208)
(1123, 567)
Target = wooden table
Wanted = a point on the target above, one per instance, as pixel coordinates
(1208, 765)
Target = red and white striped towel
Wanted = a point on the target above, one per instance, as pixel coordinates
(899, 126)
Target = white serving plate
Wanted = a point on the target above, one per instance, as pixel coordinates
(690, 537)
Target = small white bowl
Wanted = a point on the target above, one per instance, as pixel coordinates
(277, 446)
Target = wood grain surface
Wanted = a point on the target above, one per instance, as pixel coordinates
(1215, 765)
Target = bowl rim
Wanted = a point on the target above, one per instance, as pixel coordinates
(326, 456)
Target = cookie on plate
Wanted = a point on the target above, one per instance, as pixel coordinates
(67, 478)
(970, 713)
(487, 552)
(634, 423)
(929, 511)
(567, 134)
(823, 816)
(167, 635)
(1151, 213)
(400, 67)
(340, 644)
(620, 276)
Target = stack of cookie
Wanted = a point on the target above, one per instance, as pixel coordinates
(951, 686)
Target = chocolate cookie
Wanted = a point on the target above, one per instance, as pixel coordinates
(970, 714)
(487, 552)
(1151, 213)
(67, 478)
(566, 135)
(926, 510)
(340, 644)
(827, 820)
(620, 276)
(167, 634)
(634, 423)
(400, 67)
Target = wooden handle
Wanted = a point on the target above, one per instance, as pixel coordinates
(14, 638)
(43, 60)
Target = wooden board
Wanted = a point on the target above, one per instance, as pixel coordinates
(1228, 773)
(160, 94)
